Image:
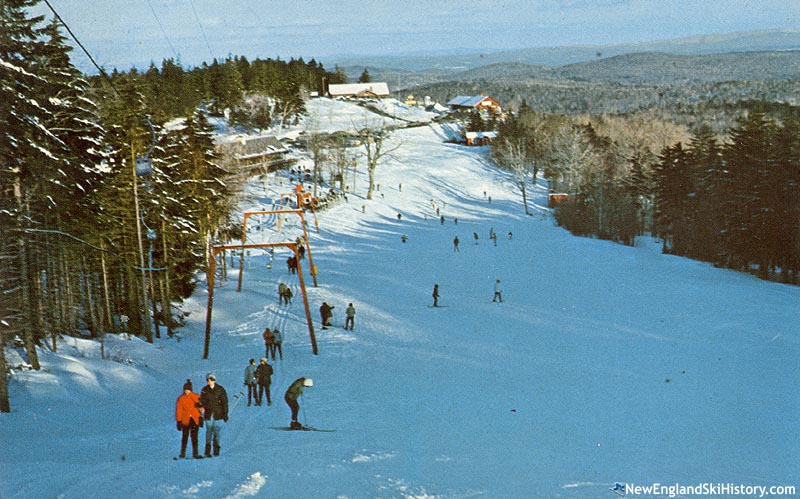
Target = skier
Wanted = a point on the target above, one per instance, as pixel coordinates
(287, 295)
(475, 235)
(435, 295)
(277, 344)
(269, 341)
(282, 287)
(351, 316)
(326, 312)
(250, 382)
(214, 401)
(292, 393)
(188, 418)
(264, 378)
(455, 244)
(497, 292)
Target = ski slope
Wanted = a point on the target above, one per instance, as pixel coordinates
(604, 363)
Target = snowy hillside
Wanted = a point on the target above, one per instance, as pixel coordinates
(603, 364)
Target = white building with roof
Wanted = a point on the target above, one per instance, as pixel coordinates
(359, 90)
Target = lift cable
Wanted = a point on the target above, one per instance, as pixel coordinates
(203, 31)
(69, 30)
(163, 31)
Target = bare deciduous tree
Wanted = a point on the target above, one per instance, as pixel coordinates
(512, 154)
(373, 140)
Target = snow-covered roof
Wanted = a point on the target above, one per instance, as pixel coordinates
(244, 147)
(480, 135)
(355, 89)
(468, 100)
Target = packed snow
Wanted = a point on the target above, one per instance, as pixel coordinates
(603, 363)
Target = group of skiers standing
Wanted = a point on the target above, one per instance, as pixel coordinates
(326, 314)
(193, 411)
(284, 294)
(273, 342)
(209, 408)
(258, 379)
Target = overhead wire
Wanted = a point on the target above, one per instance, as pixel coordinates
(203, 31)
(85, 51)
(163, 31)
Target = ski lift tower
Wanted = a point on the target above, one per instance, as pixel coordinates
(211, 274)
(299, 213)
(143, 168)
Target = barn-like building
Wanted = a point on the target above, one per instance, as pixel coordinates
(482, 103)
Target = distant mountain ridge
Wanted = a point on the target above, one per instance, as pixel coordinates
(746, 41)
(650, 68)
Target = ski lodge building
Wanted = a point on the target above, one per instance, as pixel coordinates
(246, 152)
(480, 103)
(358, 90)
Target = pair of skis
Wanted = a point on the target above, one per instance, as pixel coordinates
(302, 428)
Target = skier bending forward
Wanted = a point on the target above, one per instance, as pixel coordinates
(292, 393)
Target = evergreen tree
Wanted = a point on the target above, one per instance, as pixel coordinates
(751, 161)
(475, 123)
(672, 190)
(365, 78)
(788, 198)
(128, 136)
(25, 146)
(705, 156)
(69, 178)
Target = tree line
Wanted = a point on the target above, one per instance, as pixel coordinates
(109, 206)
(256, 93)
(732, 199)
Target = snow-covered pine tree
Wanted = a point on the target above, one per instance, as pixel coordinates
(128, 136)
(705, 156)
(24, 144)
(751, 160)
(69, 179)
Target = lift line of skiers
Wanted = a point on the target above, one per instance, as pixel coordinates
(209, 408)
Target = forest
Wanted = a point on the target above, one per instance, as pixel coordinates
(730, 199)
(112, 191)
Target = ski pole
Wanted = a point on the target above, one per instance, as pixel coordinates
(237, 398)
(303, 409)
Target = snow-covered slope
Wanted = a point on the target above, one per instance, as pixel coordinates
(603, 364)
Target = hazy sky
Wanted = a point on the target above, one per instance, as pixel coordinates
(124, 33)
